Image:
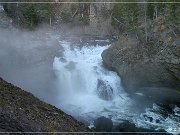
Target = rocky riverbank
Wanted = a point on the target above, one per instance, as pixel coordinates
(149, 68)
(20, 111)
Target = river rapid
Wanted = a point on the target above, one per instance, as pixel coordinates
(75, 80)
(87, 90)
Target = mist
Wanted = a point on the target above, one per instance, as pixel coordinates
(26, 59)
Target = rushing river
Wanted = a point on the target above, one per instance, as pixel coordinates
(86, 88)
(83, 87)
(87, 91)
(76, 80)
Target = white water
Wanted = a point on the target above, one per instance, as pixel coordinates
(78, 72)
(77, 80)
(160, 119)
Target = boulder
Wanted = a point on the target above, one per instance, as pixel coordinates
(104, 90)
(103, 124)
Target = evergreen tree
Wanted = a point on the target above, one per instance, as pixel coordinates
(126, 15)
(28, 14)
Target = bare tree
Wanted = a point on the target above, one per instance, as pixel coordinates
(145, 19)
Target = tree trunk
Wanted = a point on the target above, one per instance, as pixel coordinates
(50, 21)
(145, 19)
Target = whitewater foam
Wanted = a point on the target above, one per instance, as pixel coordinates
(77, 78)
(158, 118)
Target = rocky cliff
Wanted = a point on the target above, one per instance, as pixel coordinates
(20, 111)
(151, 68)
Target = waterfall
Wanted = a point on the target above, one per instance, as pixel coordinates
(87, 90)
(84, 85)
